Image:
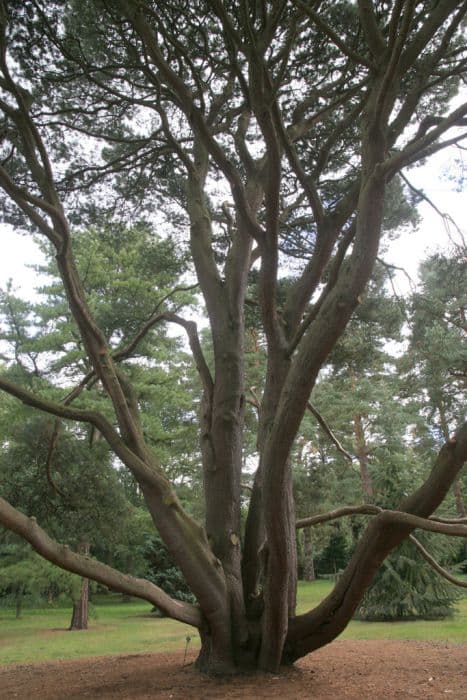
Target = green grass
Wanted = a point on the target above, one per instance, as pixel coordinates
(117, 628)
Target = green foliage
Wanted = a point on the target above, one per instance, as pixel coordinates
(334, 557)
(24, 574)
(406, 588)
(83, 502)
(87, 74)
(162, 571)
(437, 357)
(41, 635)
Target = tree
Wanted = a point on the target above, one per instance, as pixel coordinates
(436, 359)
(77, 497)
(363, 392)
(266, 136)
(24, 573)
(406, 587)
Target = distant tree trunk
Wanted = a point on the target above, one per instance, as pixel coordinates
(19, 601)
(309, 564)
(79, 618)
(362, 456)
(361, 449)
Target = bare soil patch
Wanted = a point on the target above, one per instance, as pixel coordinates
(351, 670)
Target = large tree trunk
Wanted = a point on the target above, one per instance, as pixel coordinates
(79, 617)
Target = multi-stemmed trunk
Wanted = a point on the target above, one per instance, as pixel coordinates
(246, 605)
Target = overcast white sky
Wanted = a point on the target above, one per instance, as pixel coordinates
(18, 251)
(431, 235)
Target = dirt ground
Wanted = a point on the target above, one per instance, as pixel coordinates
(353, 670)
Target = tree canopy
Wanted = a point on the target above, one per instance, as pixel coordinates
(267, 139)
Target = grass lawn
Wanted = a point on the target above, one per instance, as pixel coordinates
(122, 628)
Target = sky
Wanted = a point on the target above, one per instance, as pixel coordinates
(435, 179)
(19, 251)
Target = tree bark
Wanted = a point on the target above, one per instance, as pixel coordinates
(79, 617)
(460, 507)
(457, 486)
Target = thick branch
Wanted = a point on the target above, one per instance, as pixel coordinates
(57, 409)
(331, 34)
(435, 20)
(364, 509)
(370, 509)
(370, 27)
(63, 557)
(395, 517)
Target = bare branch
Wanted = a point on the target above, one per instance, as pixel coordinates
(371, 509)
(328, 431)
(365, 509)
(254, 401)
(396, 517)
(448, 521)
(193, 338)
(447, 218)
(63, 557)
(437, 567)
(425, 144)
(390, 266)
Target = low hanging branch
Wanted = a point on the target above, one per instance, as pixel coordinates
(396, 517)
(437, 567)
(64, 557)
(364, 509)
(446, 526)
